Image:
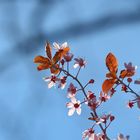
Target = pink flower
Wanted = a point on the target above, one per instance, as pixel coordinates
(51, 80)
(104, 97)
(92, 103)
(99, 120)
(122, 137)
(73, 106)
(90, 95)
(68, 57)
(89, 134)
(130, 68)
(58, 47)
(105, 117)
(62, 82)
(79, 62)
(71, 91)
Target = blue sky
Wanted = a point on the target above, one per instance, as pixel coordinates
(29, 111)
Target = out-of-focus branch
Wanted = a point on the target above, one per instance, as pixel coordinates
(29, 45)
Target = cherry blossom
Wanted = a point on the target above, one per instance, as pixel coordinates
(51, 80)
(71, 91)
(122, 137)
(79, 62)
(104, 97)
(89, 134)
(62, 82)
(90, 95)
(130, 67)
(58, 47)
(73, 106)
(68, 57)
(93, 103)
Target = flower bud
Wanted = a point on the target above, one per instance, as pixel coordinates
(91, 81)
(129, 80)
(112, 118)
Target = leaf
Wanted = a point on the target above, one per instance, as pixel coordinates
(65, 50)
(43, 66)
(44, 63)
(111, 75)
(107, 85)
(126, 73)
(41, 59)
(59, 54)
(56, 58)
(49, 50)
(112, 63)
(55, 69)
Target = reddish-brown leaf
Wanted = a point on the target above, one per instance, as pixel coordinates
(111, 63)
(49, 50)
(111, 75)
(43, 67)
(55, 69)
(41, 59)
(59, 54)
(56, 58)
(126, 73)
(107, 85)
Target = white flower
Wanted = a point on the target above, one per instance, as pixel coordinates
(122, 137)
(79, 62)
(104, 97)
(62, 82)
(51, 81)
(130, 67)
(71, 91)
(73, 106)
(58, 47)
(90, 135)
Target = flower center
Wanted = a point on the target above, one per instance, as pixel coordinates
(76, 105)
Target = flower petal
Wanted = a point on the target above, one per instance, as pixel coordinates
(56, 46)
(51, 84)
(78, 110)
(69, 105)
(71, 111)
(73, 100)
(93, 137)
(64, 45)
(75, 65)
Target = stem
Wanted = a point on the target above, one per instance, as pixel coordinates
(78, 72)
(83, 90)
(68, 66)
(131, 90)
(75, 78)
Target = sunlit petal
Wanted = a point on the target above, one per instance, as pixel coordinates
(71, 112)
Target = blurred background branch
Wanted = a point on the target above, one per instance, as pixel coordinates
(25, 26)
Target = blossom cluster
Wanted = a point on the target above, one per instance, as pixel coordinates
(60, 72)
